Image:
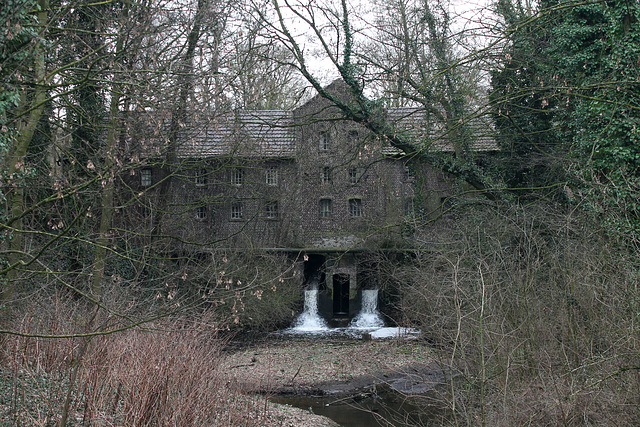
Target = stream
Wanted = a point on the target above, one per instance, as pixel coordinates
(363, 409)
(402, 398)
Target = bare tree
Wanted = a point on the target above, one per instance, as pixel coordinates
(424, 69)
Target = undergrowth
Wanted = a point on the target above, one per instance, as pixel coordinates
(167, 374)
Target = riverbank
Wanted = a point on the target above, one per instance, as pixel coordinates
(321, 367)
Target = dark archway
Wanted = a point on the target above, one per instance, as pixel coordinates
(341, 294)
(314, 270)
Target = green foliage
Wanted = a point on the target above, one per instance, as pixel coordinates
(87, 104)
(522, 106)
(568, 95)
(16, 41)
(597, 50)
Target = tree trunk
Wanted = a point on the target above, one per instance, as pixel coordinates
(32, 109)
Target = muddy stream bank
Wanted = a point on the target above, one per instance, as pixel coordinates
(355, 382)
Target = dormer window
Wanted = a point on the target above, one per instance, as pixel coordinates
(145, 177)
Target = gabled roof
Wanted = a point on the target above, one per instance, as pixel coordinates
(272, 133)
(413, 123)
(264, 133)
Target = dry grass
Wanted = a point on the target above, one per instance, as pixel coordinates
(167, 375)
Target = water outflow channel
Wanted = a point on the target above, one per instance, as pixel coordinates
(372, 405)
(369, 316)
(310, 320)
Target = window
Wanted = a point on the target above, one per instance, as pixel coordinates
(236, 210)
(271, 175)
(237, 177)
(354, 176)
(409, 174)
(201, 177)
(326, 210)
(201, 212)
(326, 175)
(271, 209)
(145, 177)
(355, 208)
(324, 141)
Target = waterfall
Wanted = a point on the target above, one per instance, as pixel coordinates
(309, 320)
(369, 316)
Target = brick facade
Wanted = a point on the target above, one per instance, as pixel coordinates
(301, 181)
(297, 180)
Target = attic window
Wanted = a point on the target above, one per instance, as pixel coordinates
(324, 141)
(145, 177)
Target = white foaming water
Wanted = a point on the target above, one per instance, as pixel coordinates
(369, 316)
(309, 320)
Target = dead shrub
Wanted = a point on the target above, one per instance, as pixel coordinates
(167, 374)
(535, 310)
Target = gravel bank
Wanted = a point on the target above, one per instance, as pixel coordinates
(315, 367)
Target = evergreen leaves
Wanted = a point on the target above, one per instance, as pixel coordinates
(570, 83)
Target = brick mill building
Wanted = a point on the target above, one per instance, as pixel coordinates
(304, 182)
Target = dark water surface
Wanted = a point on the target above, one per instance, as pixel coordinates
(385, 408)
(373, 405)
